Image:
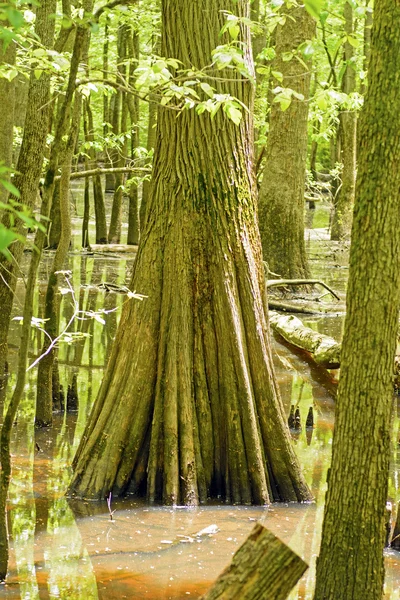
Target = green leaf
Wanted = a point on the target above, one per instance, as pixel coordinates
(353, 41)
(38, 73)
(277, 75)
(10, 188)
(314, 7)
(207, 89)
(233, 114)
(322, 102)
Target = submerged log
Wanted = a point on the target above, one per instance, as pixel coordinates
(324, 349)
(263, 567)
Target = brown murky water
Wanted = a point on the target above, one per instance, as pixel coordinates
(73, 550)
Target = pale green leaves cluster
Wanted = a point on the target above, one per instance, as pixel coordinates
(16, 211)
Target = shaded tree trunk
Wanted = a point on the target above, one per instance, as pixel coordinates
(44, 399)
(98, 196)
(350, 564)
(28, 168)
(151, 142)
(7, 101)
(281, 202)
(189, 406)
(342, 217)
(119, 126)
(133, 104)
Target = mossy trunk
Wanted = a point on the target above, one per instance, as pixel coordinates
(29, 167)
(350, 564)
(189, 406)
(281, 201)
(7, 101)
(344, 201)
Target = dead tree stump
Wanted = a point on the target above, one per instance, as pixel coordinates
(263, 567)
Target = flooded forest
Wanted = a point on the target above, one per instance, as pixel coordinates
(199, 299)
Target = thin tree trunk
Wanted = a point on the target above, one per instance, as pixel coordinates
(281, 201)
(151, 142)
(350, 564)
(44, 398)
(189, 406)
(133, 105)
(342, 217)
(7, 102)
(119, 126)
(98, 196)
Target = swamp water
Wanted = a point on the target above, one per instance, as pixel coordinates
(73, 550)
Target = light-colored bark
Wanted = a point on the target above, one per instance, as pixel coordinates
(324, 349)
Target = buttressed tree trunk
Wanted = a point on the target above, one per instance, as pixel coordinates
(341, 223)
(189, 406)
(281, 202)
(350, 564)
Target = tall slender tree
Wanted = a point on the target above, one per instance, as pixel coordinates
(189, 406)
(350, 564)
(341, 223)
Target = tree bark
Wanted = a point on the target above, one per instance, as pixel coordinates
(263, 567)
(189, 406)
(7, 101)
(29, 167)
(281, 201)
(350, 564)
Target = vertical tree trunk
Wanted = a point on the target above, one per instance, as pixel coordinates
(7, 102)
(98, 196)
(44, 398)
(342, 217)
(119, 126)
(133, 104)
(281, 201)
(189, 406)
(151, 141)
(350, 564)
(29, 166)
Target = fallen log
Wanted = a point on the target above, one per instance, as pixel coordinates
(324, 349)
(295, 282)
(263, 567)
(125, 248)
